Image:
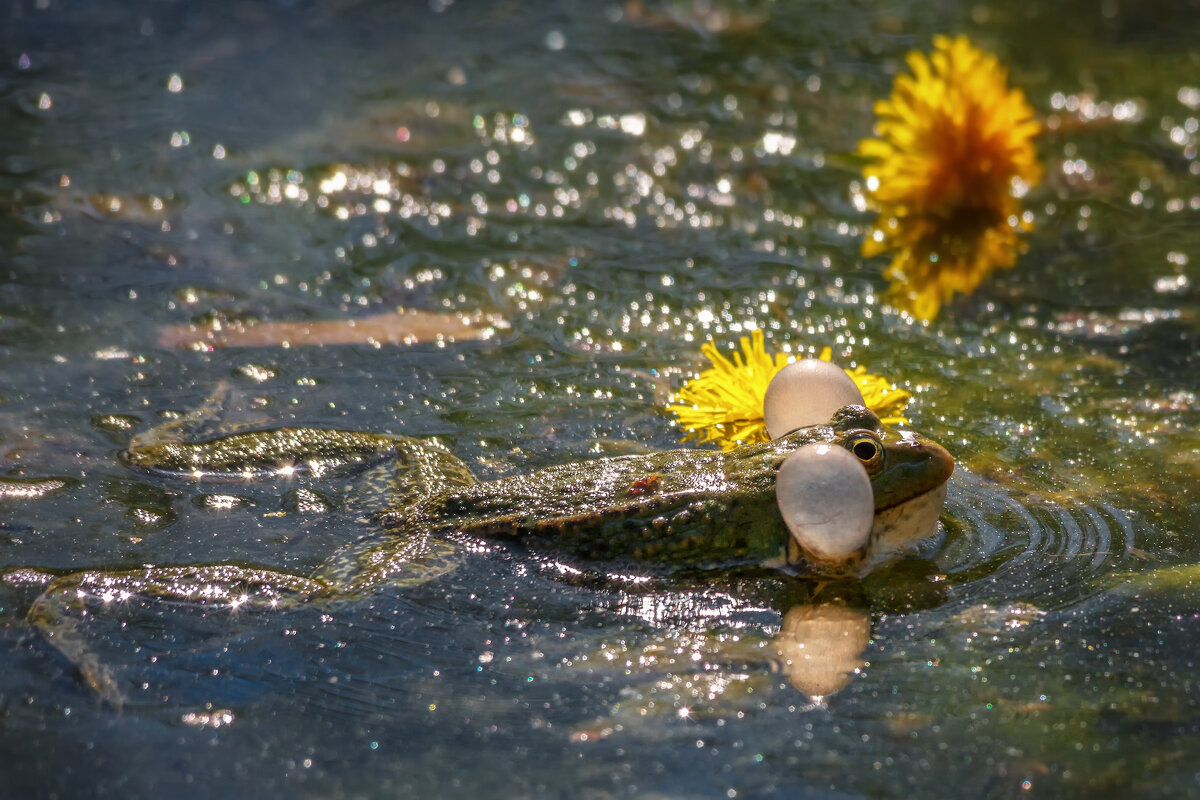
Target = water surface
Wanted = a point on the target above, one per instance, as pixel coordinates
(617, 184)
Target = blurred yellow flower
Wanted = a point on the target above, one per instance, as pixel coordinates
(724, 404)
(952, 158)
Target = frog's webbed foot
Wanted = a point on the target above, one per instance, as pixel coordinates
(427, 467)
(424, 468)
(400, 561)
(58, 613)
(404, 557)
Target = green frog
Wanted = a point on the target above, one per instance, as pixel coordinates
(653, 514)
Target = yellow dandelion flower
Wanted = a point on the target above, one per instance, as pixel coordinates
(724, 403)
(952, 157)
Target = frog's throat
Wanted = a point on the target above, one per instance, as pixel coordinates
(899, 526)
(895, 529)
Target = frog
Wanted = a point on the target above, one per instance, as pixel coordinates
(653, 514)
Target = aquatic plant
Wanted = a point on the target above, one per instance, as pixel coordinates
(724, 403)
(952, 157)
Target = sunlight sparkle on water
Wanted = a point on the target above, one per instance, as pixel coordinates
(777, 143)
(217, 718)
(1087, 109)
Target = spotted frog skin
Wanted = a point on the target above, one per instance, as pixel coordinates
(653, 513)
(693, 508)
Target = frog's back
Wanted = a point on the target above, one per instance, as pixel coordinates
(680, 507)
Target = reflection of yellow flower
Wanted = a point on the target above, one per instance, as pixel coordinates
(953, 155)
(724, 404)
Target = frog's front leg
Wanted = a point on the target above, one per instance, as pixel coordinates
(59, 612)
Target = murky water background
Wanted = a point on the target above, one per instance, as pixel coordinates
(617, 184)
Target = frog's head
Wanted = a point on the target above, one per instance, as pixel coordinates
(860, 492)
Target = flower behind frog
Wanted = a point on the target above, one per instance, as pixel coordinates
(724, 403)
(952, 157)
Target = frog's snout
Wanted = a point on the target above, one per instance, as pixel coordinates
(939, 462)
(944, 461)
(914, 466)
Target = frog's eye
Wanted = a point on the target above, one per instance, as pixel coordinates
(867, 449)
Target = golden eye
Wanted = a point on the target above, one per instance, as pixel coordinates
(867, 449)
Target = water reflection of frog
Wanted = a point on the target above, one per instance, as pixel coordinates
(658, 512)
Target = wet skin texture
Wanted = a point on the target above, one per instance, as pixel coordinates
(655, 513)
(692, 508)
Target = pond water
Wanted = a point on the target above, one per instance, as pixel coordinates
(588, 192)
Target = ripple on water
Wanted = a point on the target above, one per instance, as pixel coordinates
(1021, 544)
